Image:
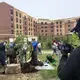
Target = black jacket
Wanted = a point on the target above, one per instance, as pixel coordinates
(69, 67)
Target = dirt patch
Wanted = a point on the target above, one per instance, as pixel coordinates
(27, 76)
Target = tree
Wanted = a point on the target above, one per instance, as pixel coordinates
(74, 40)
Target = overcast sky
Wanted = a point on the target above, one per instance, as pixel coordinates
(51, 9)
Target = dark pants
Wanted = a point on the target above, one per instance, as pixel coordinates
(34, 59)
(2, 58)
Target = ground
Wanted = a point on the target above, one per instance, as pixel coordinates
(40, 75)
(27, 76)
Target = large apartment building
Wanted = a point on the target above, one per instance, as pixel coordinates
(14, 22)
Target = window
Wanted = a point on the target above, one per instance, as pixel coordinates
(60, 30)
(29, 24)
(45, 34)
(68, 25)
(12, 25)
(51, 26)
(41, 23)
(68, 21)
(68, 29)
(29, 33)
(25, 17)
(45, 23)
(16, 19)
(16, 13)
(17, 32)
(45, 26)
(41, 30)
(20, 32)
(56, 22)
(60, 22)
(60, 33)
(51, 23)
(16, 25)
(12, 31)
(31, 20)
(60, 26)
(57, 30)
(11, 18)
(57, 26)
(29, 29)
(20, 20)
(45, 30)
(11, 11)
(20, 27)
(41, 26)
(20, 15)
(51, 30)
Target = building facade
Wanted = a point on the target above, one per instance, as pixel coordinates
(14, 22)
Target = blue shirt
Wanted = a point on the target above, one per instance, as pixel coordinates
(34, 45)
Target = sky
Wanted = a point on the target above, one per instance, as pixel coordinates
(48, 9)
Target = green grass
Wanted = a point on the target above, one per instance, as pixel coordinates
(48, 74)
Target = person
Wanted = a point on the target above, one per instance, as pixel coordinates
(51, 59)
(34, 44)
(69, 66)
(54, 47)
(39, 48)
(24, 49)
(2, 56)
(11, 53)
(34, 59)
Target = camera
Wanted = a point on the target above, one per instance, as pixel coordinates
(66, 48)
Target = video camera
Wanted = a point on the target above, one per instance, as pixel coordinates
(66, 48)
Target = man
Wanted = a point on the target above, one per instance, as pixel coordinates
(39, 48)
(69, 66)
(2, 56)
(11, 54)
(34, 60)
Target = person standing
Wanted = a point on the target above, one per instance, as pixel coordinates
(39, 48)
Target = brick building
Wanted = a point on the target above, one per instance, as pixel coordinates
(14, 22)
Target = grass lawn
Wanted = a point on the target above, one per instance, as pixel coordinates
(48, 74)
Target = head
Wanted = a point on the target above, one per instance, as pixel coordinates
(33, 39)
(76, 29)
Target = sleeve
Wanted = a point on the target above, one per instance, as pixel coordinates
(67, 66)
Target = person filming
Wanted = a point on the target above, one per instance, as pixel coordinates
(69, 66)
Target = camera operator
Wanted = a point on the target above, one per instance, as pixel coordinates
(69, 66)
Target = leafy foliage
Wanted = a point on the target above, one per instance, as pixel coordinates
(19, 41)
(74, 40)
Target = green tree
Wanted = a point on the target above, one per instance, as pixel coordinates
(74, 40)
